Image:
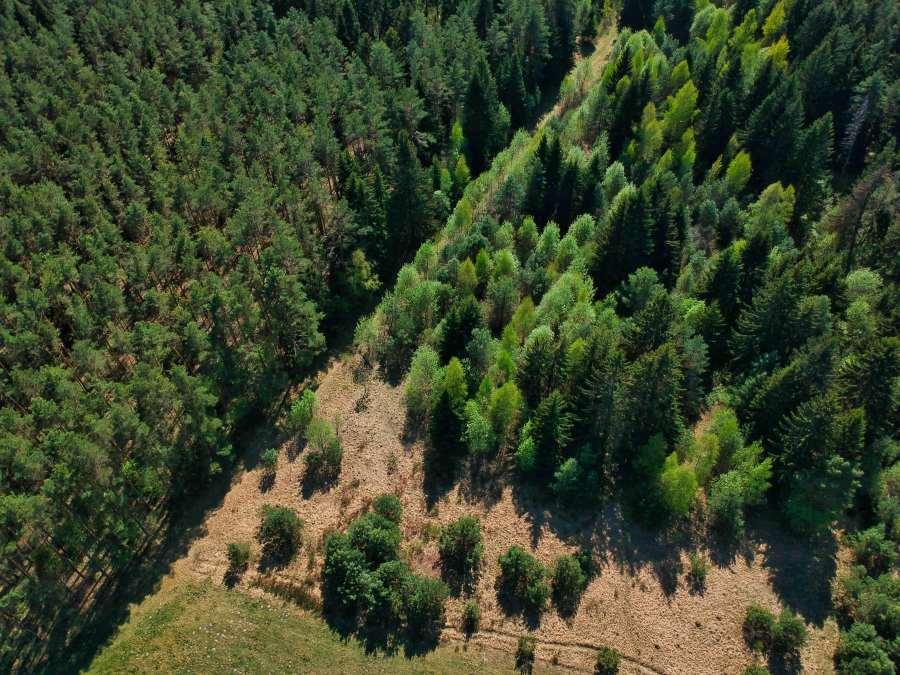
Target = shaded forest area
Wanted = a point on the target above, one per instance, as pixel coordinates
(196, 199)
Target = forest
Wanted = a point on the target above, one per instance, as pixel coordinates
(199, 201)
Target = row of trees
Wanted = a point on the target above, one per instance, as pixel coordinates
(709, 236)
(193, 197)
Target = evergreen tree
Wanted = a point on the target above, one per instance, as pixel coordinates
(481, 122)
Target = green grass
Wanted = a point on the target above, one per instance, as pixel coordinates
(199, 627)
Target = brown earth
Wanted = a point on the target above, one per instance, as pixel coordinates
(640, 603)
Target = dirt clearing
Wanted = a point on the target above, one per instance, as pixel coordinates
(640, 603)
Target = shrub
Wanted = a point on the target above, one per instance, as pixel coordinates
(347, 581)
(325, 452)
(425, 604)
(607, 661)
(699, 569)
(759, 625)
(875, 601)
(471, 618)
(279, 532)
(388, 506)
(238, 556)
(376, 536)
(302, 412)
(756, 669)
(525, 654)
(390, 583)
(269, 460)
(789, 634)
(569, 582)
(460, 545)
(872, 549)
(523, 578)
(862, 651)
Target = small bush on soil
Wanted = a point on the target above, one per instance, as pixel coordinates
(238, 556)
(323, 459)
(569, 582)
(756, 669)
(347, 581)
(388, 506)
(391, 580)
(525, 654)
(607, 661)
(523, 579)
(269, 460)
(759, 625)
(699, 569)
(279, 532)
(471, 618)
(425, 605)
(789, 634)
(460, 545)
(302, 412)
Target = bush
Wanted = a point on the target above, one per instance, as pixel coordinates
(872, 549)
(523, 579)
(789, 634)
(269, 460)
(759, 626)
(756, 669)
(325, 452)
(347, 581)
(876, 601)
(607, 661)
(699, 569)
(376, 536)
(425, 604)
(388, 506)
(460, 545)
(471, 618)
(389, 587)
(302, 412)
(238, 556)
(569, 582)
(279, 532)
(862, 651)
(525, 654)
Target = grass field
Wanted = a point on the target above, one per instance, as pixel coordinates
(204, 628)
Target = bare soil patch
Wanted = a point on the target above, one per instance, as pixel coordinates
(640, 603)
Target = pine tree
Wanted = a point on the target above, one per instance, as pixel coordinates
(480, 121)
(551, 428)
(818, 467)
(409, 205)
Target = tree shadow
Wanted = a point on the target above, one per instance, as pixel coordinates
(317, 481)
(784, 664)
(232, 577)
(460, 582)
(266, 481)
(483, 480)
(790, 558)
(610, 531)
(439, 475)
(72, 646)
(512, 605)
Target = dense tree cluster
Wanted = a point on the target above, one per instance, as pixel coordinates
(194, 196)
(367, 588)
(687, 283)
